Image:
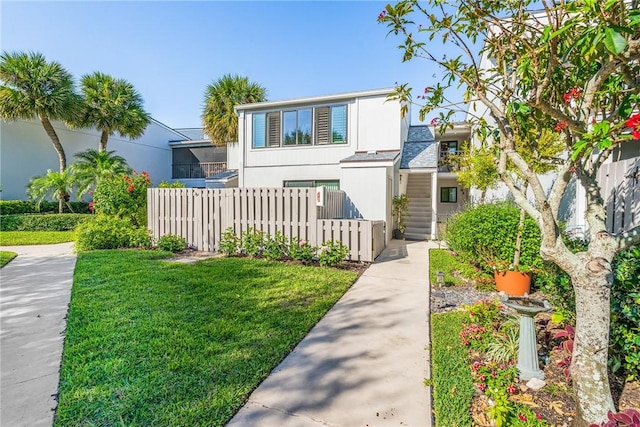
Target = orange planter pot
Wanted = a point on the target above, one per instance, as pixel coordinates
(513, 283)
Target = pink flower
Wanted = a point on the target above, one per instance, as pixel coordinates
(434, 121)
(634, 124)
(522, 417)
(482, 386)
(561, 126)
(511, 389)
(538, 416)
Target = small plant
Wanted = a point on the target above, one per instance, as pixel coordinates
(301, 250)
(252, 242)
(399, 209)
(566, 346)
(229, 243)
(504, 348)
(174, 184)
(628, 417)
(333, 253)
(485, 313)
(110, 232)
(171, 243)
(276, 247)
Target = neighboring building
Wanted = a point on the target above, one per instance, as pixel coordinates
(357, 142)
(26, 151)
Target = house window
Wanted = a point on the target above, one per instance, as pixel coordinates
(330, 184)
(449, 194)
(447, 148)
(296, 127)
(320, 126)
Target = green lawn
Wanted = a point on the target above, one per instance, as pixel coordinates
(451, 375)
(155, 343)
(5, 257)
(20, 238)
(452, 266)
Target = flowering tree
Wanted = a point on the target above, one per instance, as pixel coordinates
(574, 66)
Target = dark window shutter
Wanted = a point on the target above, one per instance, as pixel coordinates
(273, 129)
(322, 125)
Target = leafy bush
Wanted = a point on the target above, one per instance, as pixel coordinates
(333, 253)
(110, 232)
(252, 242)
(301, 250)
(488, 233)
(174, 184)
(625, 313)
(14, 207)
(229, 243)
(42, 222)
(124, 196)
(171, 243)
(276, 247)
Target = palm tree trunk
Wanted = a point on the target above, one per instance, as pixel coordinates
(48, 127)
(104, 138)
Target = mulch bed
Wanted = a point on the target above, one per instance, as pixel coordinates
(554, 402)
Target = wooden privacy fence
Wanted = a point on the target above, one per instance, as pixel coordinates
(620, 188)
(201, 216)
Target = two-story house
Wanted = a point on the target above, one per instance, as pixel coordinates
(357, 142)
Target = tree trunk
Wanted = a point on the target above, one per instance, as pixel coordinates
(590, 352)
(104, 138)
(518, 251)
(483, 196)
(56, 142)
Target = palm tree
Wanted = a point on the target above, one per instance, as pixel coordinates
(111, 105)
(33, 88)
(92, 165)
(219, 117)
(53, 184)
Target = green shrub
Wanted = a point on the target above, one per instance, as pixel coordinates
(110, 232)
(276, 247)
(41, 222)
(252, 242)
(15, 207)
(174, 184)
(229, 243)
(625, 313)
(301, 250)
(172, 243)
(333, 253)
(123, 196)
(488, 232)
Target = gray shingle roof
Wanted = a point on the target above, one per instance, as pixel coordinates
(420, 150)
(378, 156)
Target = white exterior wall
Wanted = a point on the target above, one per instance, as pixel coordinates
(26, 151)
(372, 124)
(367, 193)
(445, 210)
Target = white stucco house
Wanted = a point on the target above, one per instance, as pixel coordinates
(357, 142)
(26, 151)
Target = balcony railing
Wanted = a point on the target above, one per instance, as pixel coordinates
(197, 170)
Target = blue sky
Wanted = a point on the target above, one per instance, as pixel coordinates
(170, 51)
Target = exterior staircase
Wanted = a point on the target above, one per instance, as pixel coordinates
(418, 221)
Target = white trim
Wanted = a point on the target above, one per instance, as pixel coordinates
(314, 99)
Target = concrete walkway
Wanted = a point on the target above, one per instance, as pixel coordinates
(365, 362)
(35, 289)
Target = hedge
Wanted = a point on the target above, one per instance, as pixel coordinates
(42, 222)
(14, 207)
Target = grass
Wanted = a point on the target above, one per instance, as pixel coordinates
(150, 342)
(451, 376)
(443, 260)
(5, 257)
(21, 238)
